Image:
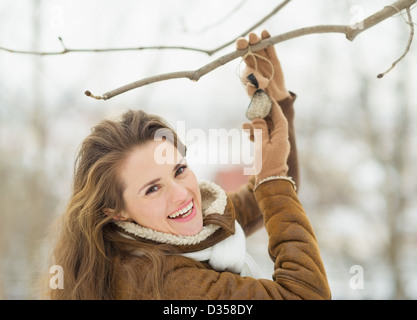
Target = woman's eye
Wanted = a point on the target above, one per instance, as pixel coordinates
(152, 189)
(180, 170)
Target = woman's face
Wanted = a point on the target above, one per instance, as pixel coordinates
(161, 195)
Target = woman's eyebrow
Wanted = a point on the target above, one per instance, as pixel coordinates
(180, 163)
(177, 166)
(149, 183)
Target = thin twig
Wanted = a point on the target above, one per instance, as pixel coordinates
(219, 21)
(246, 32)
(195, 75)
(407, 49)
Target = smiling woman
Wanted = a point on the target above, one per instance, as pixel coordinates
(169, 203)
(137, 227)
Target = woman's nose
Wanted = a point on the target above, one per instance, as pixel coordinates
(178, 193)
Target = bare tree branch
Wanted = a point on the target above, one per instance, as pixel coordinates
(209, 52)
(74, 50)
(351, 32)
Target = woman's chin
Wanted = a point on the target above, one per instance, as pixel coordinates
(192, 229)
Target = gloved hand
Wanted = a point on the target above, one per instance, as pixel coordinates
(264, 68)
(273, 146)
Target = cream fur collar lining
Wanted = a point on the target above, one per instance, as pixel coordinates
(213, 200)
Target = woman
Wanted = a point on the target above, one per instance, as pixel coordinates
(140, 228)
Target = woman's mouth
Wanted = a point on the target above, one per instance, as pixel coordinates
(185, 214)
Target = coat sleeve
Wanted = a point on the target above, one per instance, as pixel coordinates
(298, 270)
(246, 208)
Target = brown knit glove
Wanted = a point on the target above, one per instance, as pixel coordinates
(271, 148)
(263, 74)
(272, 145)
(266, 68)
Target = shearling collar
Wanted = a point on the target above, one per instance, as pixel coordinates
(218, 223)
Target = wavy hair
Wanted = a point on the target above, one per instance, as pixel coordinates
(87, 243)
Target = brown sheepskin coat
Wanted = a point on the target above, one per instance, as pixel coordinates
(298, 268)
(299, 272)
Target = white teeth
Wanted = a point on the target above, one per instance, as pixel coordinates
(182, 211)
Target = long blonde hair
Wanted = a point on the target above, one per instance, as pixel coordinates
(88, 242)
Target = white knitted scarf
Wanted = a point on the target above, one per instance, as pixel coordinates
(227, 255)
